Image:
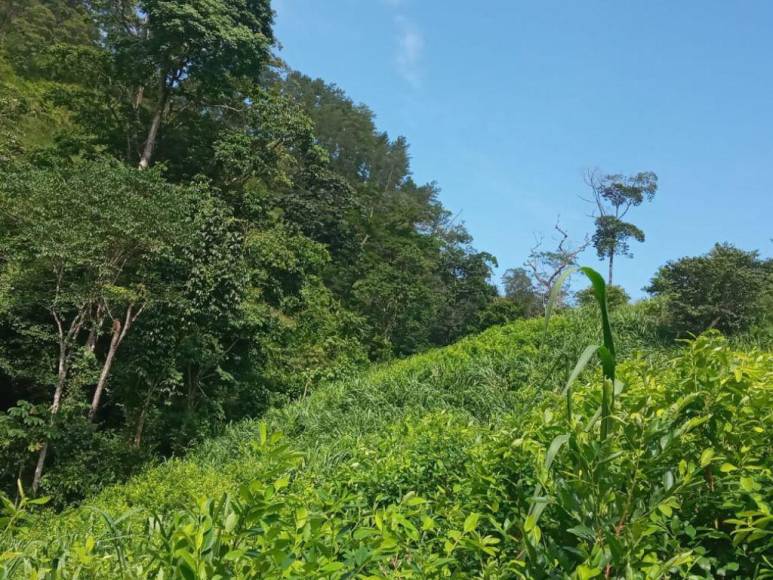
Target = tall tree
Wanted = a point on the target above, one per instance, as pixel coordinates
(83, 247)
(306, 242)
(411, 271)
(614, 196)
(176, 55)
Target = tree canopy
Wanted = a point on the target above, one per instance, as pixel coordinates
(193, 233)
(614, 196)
(725, 289)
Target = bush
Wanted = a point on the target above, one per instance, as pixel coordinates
(723, 289)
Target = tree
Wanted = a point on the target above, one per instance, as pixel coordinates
(723, 289)
(499, 310)
(85, 246)
(273, 237)
(616, 296)
(519, 288)
(28, 28)
(546, 266)
(398, 258)
(176, 55)
(465, 288)
(614, 196)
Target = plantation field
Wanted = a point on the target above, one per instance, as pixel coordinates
(474, 460)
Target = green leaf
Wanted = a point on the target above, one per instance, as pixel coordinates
(600, 291)
(301, 515)
(584, 572)
(668, 480)
(415, 500)
(607, 362)
(332, 567)
(707, 456)
(582, 362)
(583, 532)
(554, 448)
(608, 366)
(555, 292)
(471, 522)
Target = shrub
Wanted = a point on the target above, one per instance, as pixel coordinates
(723, 289)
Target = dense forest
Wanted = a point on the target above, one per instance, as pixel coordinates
(272, 237)
(201, 247)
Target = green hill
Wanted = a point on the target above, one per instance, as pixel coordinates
(467, 461)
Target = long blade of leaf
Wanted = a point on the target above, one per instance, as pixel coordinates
(607, 363)
(554, 448)
(582, 362)
(555, 292)
(608, 366)
(600, 292)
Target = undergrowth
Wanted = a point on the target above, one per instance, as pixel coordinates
(447, 465)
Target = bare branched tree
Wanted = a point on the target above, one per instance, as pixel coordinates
(546, 265)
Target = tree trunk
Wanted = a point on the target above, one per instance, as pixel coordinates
(55, 406)
(119, 332)
(137, 100)
(141, 419)
(155, 125)
(91, 341)
(39, 467)
(114, 342)
(611, 261)
(714, 322)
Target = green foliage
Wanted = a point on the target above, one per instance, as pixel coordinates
(374, 479)
(233, 319)
(606, 352)
(724, 289)
(518, 287)
(271, 249)
(616, 296)
(501, 310)
(398, 259)
(29, 28)
(13, 514)
(276, 244)
(614, 196)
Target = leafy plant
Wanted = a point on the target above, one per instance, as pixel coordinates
(427, 467)
(605, 351)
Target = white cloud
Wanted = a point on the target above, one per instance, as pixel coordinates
(410, 47)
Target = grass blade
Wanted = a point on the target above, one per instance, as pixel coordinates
(600, 291)
(555, 292)
(582, 362)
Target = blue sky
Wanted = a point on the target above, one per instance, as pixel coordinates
(506, 103)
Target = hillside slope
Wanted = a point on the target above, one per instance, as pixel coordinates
(462, 462)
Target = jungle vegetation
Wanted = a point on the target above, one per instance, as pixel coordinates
(238, 339)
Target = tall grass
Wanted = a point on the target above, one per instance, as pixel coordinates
(428, 468)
